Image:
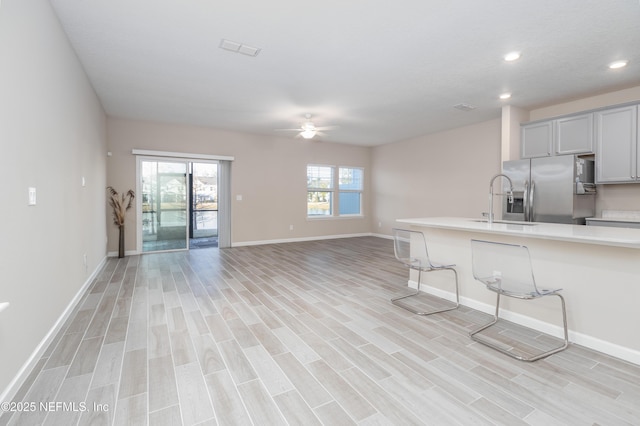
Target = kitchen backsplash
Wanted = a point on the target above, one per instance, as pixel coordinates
(621, 214)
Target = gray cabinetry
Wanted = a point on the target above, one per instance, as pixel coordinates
(574, 135)
(537, 139)
(617, 155)
(560, 136)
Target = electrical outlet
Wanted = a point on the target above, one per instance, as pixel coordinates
(290, 227)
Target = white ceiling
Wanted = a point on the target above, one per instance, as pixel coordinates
(380, 71)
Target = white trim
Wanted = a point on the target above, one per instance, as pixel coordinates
(12, 388)
(327, 217)
(385, 236)
(138, 206)
(126, 253)
(295, 240)
(180, 155)
(262, 242)
(225, 205)
(621, 352)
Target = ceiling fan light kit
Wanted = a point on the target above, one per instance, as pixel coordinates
(308, 133)
(307, 129)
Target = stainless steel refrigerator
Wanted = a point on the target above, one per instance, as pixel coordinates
(556, 189)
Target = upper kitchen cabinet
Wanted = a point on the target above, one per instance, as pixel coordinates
(566, 135)
(617, 156)
(536, 139)
(574, 135)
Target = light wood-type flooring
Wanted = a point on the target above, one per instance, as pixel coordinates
(300, 334)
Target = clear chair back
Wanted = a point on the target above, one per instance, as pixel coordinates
(410, 248)
(505, 268)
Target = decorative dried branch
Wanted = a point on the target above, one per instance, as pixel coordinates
(120, 204)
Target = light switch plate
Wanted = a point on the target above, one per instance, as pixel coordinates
(32, 196)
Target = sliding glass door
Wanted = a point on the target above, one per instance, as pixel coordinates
(179, 204)
(203, 212)
(164, 205)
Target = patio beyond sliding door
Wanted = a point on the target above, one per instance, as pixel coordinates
(204, 204)
(164, 205)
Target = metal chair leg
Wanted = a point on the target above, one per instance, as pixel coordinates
(478, 338)
(396, 301)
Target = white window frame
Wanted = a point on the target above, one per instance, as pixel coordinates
(335, 193)
(353, 191)
(331, 190)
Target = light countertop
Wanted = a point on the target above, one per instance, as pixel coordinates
(620, 237)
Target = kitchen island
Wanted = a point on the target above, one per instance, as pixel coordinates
(598, 269)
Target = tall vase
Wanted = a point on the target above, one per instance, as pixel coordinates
(121, 242)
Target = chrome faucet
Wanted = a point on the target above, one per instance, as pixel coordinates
(510, 194)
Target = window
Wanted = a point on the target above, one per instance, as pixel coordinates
(350, 191)
(321, 191)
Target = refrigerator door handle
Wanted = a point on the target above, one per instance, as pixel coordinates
(525, 200)
(531, 200)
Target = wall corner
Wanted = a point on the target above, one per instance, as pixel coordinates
(512, 117)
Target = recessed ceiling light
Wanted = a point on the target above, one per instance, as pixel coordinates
(505, 96)
(618, 64)
(509, 57)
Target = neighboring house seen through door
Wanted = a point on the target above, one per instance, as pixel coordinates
(179, 204)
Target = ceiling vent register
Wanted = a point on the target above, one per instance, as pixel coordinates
(465, 107)
(236, 47)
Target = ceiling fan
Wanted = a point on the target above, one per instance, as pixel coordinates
(307, 129)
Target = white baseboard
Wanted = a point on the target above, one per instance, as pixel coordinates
(27, 367)
(126, 253)
(278, 241)
(296, 240)
(386, 237)
(582, 339)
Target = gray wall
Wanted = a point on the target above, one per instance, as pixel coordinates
(269, 173)
(442, 174)
(52, 133)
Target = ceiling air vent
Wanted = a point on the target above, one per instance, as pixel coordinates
(465, 107)
(233, 46)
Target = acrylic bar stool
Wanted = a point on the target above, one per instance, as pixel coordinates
(506, 270)
(410, 248)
